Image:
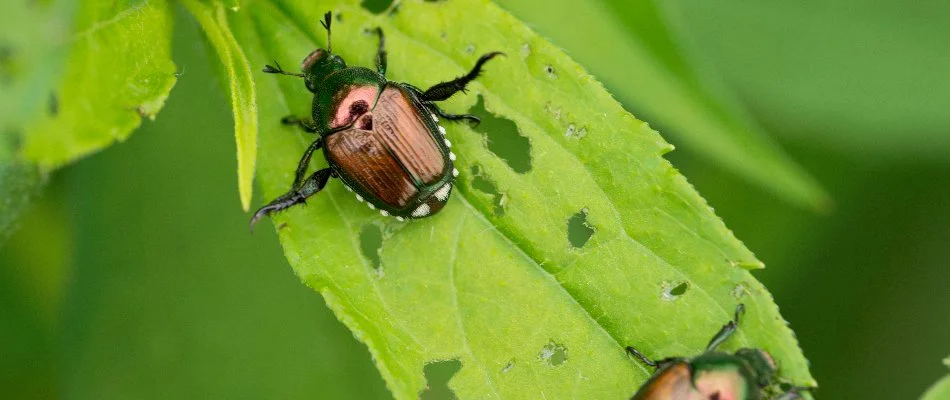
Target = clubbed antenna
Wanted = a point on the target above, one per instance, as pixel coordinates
(326, 25)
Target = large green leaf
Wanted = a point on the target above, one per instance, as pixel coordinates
(495, 280)
(118, 70)
(643, 64)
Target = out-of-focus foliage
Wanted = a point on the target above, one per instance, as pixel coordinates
(72, 89)
(628, 45)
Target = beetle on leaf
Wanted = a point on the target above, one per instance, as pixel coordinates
(749, 374)
(381, 138)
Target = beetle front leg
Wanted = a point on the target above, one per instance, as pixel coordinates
(445, 90)
(306, 125)
(727, 330)
(295, 196)
(381, 59)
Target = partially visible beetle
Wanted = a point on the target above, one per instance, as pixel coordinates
(381, 138)
(749, 374)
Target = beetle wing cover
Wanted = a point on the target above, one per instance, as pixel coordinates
(399, 125)
(673, 382)
(362, 156)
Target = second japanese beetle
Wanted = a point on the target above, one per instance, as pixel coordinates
(748, 374)
(381, 138)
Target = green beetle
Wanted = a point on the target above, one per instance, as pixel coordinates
(749, 374)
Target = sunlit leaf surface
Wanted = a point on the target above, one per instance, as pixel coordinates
(574, 239)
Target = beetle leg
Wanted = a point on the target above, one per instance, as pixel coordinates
(445, 90)
(727, 330)
(278, 70)
(636, 353)
(302, 123)
(455, 117)
(295, 196)
(381, 60)
(305, 162)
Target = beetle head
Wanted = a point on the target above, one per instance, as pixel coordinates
(763, 366)
(319, 64)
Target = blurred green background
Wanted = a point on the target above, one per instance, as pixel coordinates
(134, 276)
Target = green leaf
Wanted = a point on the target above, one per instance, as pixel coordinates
(941, 389)
(628, 45)
(213, 20)
(495, 280)
(118, 69)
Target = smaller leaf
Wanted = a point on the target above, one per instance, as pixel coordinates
(119, 69)
(213, 20)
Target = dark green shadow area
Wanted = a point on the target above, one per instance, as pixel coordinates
(503, 138)
(437, 375)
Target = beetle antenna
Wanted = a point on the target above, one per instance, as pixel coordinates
(326, 25)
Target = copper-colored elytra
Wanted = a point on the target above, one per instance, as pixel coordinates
(675, 383)
(402, 129)
(363, 156)
(384, 144)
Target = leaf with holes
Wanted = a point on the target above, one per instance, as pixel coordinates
(568, 237)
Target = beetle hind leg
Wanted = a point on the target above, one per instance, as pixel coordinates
(444, 90)
(471, 119)
(297, 195)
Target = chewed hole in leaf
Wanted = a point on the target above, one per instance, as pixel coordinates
(574, 132)
(672, 291)
(371, 242)
(739, 290)
(550, 72)
(484, 184)
(376, 6)
(438, 374)
(508, 366)
(553, 353)
(578, 230)
(503, 138)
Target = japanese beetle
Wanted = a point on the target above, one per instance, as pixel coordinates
(749, 374)
(381, 138)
